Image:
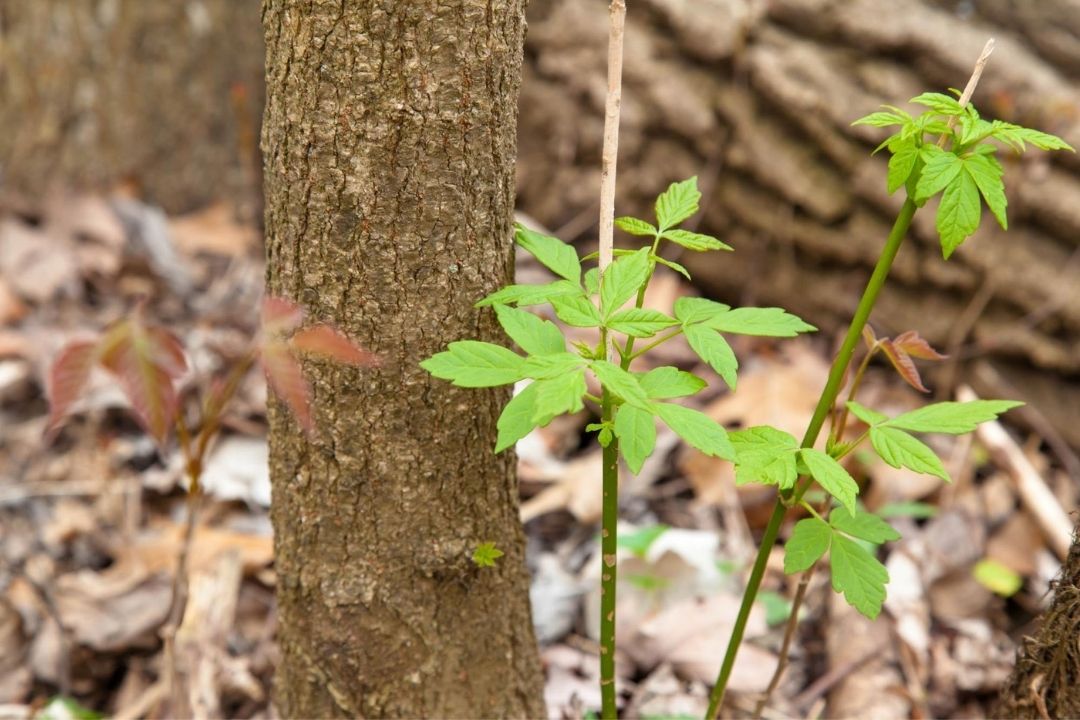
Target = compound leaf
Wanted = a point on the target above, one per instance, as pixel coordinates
(765, 455)
(940, 167)
(954, 418)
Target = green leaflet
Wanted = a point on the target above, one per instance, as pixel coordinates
(939, 169)
(541, 367)
(534, 335)
(640, 322)
(768, 322)
(621, 382)
(516, 420)
(899, 449)
(530, 294)
(831, 475)
(558, 395)
(486, 554)
(714, 350)
(553, 253)
(954, 418)
(884, 119)
(695, 241)
(677, 203)
(986, 171)
(904, 154)
(576, 310)
(809, 542)
(765, 455)
(635, 226)
(858, 574)
(673, 265)
(691, 310)
(868, 416)
(471, 363)
(622, 279)
(639, 541)
(667, 382)
(636, 431)
(698, 429)
(939, 103)
(863, 525)
(958, 214)
(1015, 136)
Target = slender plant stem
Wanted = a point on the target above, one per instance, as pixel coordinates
(609, 566)
(612, 107)
(654, 343)
(785, 646)
(824, 406)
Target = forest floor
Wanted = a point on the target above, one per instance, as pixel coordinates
(91, 521)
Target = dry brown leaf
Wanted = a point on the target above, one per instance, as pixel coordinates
(36, 265)
(578, 490)
(213, 230)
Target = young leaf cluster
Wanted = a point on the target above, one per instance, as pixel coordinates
(557, 375)
(947, 150)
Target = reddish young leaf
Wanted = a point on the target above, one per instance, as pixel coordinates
(325, 341)
(868, 337)
(286, 378)
(147, 361)
(903, 364)
(914, 345)
(280, 316)
(67, 378)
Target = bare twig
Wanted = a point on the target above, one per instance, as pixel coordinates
(785, 646)
(1034, 494)
(611, 132)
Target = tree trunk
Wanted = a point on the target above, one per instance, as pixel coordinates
(389, 148)
(757, 98)
(1046, 680)
(162, 95)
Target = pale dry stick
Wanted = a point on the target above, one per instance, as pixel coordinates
(1034, 494)
(610, 483)
(781, 665)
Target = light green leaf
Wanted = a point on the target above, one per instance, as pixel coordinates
(883, 119)
(765, 455)
(621, 382)
(621, 281)
(910, 509)
(939, 103)
(769, 322)
(534, 335)
(832, 476)
(530, 294)
(553, 253)
(858, 574)
(640, 322)
(714, 350)
(486, 554)
(636, 431)
(639, 541)
(698, 429)
(673, 265)
(635, 227)
(516, 420)
(695, 310)
(997, 578)
(809, 542)
(592, 281)
(986, 171)
(954, 418)
(777, 607)
(576, 310)
(902, 162)
(677, 203)
(899, 449)
(695, 241)
(958, 214)
(1015, 136)
(471, 363)
(668, 382)
(939, 169)
(868, 416)
(541, 367)
(558, 395)
(863, 525)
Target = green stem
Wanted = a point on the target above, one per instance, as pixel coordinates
(824, 406)
(654, 343)
(608, 567)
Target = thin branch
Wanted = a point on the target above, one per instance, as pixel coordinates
(611, 132)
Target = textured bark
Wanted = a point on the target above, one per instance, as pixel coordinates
(757, 99)
(1046, 680)
(389, 147)
(166, 95)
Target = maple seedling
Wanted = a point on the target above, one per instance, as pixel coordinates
(148, 361)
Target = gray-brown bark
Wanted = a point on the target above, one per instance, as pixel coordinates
(1046, 680)
(165, 95)
(757, 99)
(389, 147)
